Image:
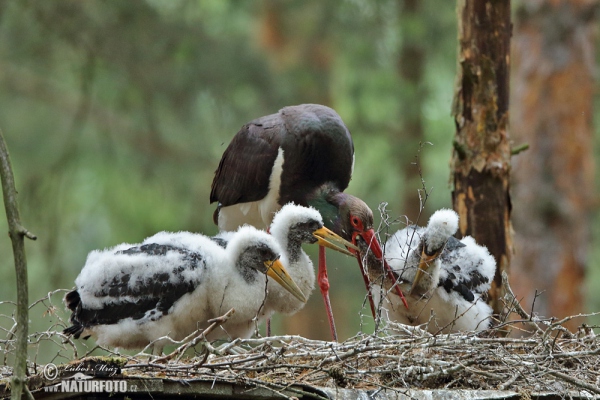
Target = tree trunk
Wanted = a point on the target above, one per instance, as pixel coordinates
(481, 156)
(553, 181)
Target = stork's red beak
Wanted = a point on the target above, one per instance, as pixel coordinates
(371, 240)
(373, 243)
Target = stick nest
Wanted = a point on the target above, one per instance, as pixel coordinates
(546, 358)
(540, 362)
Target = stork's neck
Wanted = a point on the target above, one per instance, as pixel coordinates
(301, 271)
(291, 244)
(329, 212)
(431, 275)
(326, 199)
(242, 265)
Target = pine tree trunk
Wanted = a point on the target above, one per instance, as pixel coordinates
(553, 181)
(481, 156)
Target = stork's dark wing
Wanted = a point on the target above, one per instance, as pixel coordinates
(148, 298)
(318, 149)
(245, 168)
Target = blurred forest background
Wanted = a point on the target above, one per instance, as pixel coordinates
(116, 115)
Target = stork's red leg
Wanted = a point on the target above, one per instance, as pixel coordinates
(323, 282)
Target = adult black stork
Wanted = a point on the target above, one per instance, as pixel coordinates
(302, 154)
(129, 296)
(446, 279)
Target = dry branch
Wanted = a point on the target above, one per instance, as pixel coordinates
(193, 339)
(16, 232)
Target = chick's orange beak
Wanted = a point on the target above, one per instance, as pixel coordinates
(328, 238)
(277, 271)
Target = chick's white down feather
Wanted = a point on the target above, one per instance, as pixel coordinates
(291, 226)
(205, 279)
(450, 295)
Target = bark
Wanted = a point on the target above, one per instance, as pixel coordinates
(553, 182)
(17, 233)
(481, 156)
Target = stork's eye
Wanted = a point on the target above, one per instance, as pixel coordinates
(355, 221)
(264, 253)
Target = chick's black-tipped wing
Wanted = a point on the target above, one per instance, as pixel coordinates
(461, 271)
(147, 296)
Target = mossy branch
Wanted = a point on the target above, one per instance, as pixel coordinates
(17, 233)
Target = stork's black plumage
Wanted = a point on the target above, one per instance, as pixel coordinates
(303, 154)
(467, 268)
(315, 147)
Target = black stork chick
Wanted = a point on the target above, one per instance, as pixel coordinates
(446, 279)
(302, 154)
(170, 285)
(293, 226)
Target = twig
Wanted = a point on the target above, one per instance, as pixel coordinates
(575, 381)
(517, 306)
(16, 232)
(194, 338)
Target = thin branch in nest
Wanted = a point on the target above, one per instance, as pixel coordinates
(193, 339)
(517, 305)
(262, 306)
(423, 193)
(575, 381)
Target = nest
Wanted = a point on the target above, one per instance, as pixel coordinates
(382, 362)
(546, 358)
